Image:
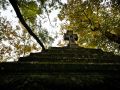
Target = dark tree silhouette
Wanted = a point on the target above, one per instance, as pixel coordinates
(19, 15)
(112, 37)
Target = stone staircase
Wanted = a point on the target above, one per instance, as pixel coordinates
(72, 55)
(62, 68)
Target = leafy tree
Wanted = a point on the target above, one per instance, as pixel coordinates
(27, 11)
(13, 42)
(14, 3)
(95, 21)
(32, 10)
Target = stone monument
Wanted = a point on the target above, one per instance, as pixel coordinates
(71, 38)
(63, 68)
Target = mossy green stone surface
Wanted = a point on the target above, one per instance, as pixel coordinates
(62, 68)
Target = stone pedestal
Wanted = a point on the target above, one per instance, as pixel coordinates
(63, 68)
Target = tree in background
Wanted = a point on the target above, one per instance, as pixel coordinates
(15, 42)
(97, 22)
(27, 12)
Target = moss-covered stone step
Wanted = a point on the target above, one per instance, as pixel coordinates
(73, 55)
(64, 68)
(69, 59)
(58, 82)
(103, 68)
(59, 76)
(79, 49)
(65, 55)
(74, 50)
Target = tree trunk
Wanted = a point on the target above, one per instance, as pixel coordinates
(19, 15)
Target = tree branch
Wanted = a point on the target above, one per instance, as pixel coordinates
(112, 37)
(19, 15)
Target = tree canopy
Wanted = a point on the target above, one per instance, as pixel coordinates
(97, 23)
